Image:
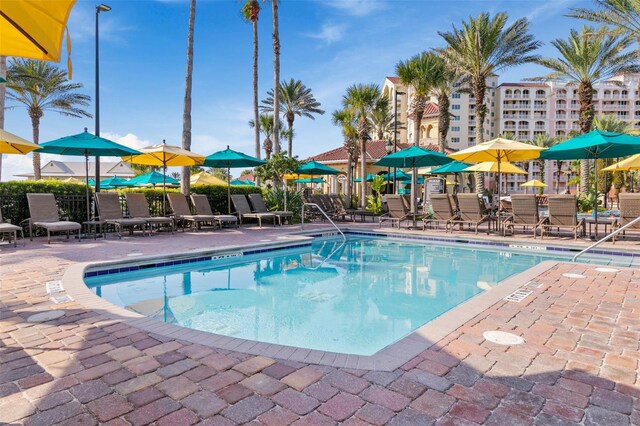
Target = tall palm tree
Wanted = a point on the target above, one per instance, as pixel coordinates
(445, 79)
(41, 86)
(266, 128)
(484, 46)
(346, 119)
(185, 176)
(381, 118)
(623, 15)
(276, 77)
(295, 99)
(250, 13)
(610, 123)
(542, 140)
(360, 100)
(586, 58)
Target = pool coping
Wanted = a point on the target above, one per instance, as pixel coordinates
(387, 359)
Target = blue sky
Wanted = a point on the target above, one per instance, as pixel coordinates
(328, 44)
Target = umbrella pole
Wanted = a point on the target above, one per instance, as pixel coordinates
(86, 172)
(499, 190)
(164, 190)
(595, 187)
(414, 187)
(229, 189)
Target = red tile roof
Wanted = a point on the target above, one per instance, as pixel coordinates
(394, 80)
(431, 108)
(375, 151)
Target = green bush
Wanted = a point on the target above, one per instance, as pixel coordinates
(274, 199)
(217, 194)
(71, 198)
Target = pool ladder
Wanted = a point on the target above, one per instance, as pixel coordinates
(602, 240)
(325, 215)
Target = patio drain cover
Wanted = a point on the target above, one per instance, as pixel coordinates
(576, 276)
(503, 338)
(45, 316)
(607, 270)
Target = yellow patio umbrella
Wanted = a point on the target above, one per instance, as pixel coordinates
(534, 183)
(294, 176)
(12, 144)
(73, 180)
(34, 28)
(631, 163)
(495, 167)
(204, 178)
(166, 156)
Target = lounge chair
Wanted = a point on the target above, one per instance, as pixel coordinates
(110, 211)
(443, 211)
(203, 208)
(397, 211)
(243, 210)
(363, 213)
(524, 212)
(43, 213)
(629, 210)
(181, 211)
(325, 204)
(472, 212)
(563, 213)
(12, 230)
(139, 208)
(257, 202)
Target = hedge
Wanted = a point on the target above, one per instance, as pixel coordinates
(217, 194)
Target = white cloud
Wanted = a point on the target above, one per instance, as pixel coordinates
(359, 8)
(130, 140)
(82, 26)
(549, 9)
(15, 164)
(329, 33)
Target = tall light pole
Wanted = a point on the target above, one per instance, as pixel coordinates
(99, 8)
(395, 132)
(389, 148)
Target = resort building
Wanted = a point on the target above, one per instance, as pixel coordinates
(61, 170)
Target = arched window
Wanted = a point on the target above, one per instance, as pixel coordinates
(429, 129)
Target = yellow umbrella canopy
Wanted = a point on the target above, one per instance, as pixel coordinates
(166, 156)
(73, 180)
(534, 183)
(500, 150)
(12, 144)
(631, 163)
(295, 176)
(203, 178)
(34, 28)
(492, 167)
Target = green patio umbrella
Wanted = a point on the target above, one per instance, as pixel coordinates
(414, 157)
(398, 175)
(153, 178)
(237, 182)
(369, 178)
(451, 168)
(315, 168)
(229, 159)
(592, 146)
(115, 182)
(309, 180)
(86, 144)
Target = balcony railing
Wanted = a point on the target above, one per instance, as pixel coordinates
(509, 127)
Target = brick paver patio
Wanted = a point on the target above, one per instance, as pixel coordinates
(579, 364)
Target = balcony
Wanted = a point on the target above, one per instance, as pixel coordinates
(538, 96)
(561, 104)
(538, 115)
(561, 126)
(523, 115)
(509, 127)
(561, 116)
(523, 126)
(539, 127)
(471, 122)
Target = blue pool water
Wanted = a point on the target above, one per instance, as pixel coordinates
(355, 297)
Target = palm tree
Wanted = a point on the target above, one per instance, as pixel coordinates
(250, 13)
(185, 179)
(295, 99)
(445, 79)
(381, 118)
(41, 86)
(346, 119)
(482, 48)
(542, 140)
(266, 128)
(586, 58)
(624, 15)
(276, 78)
(360, 100)
(610, 123)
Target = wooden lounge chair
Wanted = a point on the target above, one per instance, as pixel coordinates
(397, 211)
(43, 213)
(110, 211)
(563, 213)
(629, 209)
(443, 211)
(257, 202)
(139, 208)
(472, 212)
(12, 230)
(363, 213)
(524, 212)
(243, 210)
(181, 211)
(203, 208)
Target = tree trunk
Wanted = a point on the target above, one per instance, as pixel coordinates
(479, 89)
(558, 174)
(186, 112)
(363, 172)
(256, 112)
(543, 175)
(35, 124)
(3, 90)
(276, 78)
(585, 95)
(443, 121)
(349, 179)
(419, 111)
(290, 119)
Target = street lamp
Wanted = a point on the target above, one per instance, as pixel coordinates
(395, 132)
(99, 8)
(389, 148)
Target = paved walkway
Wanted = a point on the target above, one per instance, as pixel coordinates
(579, 364)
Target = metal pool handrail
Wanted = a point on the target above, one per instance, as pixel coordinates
(612, 234)
(334, 251)
(325, 215)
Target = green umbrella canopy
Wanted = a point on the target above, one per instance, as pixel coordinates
(229, 159)
(370, 177)
(237, 182)
(315, 168)
(115, 182)
(399, 175)
(86, 144)
(414, 157)
(2, 80)
(153, 178)
(309, 180)
(452, 167)
(595, 144)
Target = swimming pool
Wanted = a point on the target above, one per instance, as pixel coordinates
(355, 297)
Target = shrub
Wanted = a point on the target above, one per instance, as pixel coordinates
(274, 199)
(217, 194)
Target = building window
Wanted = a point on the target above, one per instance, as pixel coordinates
(455, 140)
(455, 118)
(455, 106)
(455, 96)
(455, 128)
